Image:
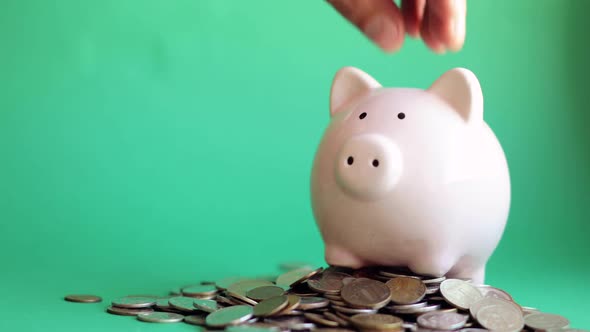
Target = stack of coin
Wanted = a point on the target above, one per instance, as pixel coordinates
(334, 299)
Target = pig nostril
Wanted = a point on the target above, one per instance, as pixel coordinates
(350, 160)
(375, 163)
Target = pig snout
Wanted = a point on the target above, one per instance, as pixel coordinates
(368, 166)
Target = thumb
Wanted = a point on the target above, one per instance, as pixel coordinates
(380, 20)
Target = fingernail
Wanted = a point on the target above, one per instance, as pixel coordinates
(382, 31)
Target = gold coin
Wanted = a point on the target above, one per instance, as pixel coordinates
(366, 293)
(83, 298)
(295, 277)
(380, 322)
(319, 319)
(271, 306)
(264, 292)
(406, 290)
(293, 303)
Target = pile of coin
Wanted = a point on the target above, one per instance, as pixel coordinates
(334, 299)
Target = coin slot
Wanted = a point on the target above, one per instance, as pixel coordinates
(375, 163)
(363, 115)
(350, 160)
(401, 115)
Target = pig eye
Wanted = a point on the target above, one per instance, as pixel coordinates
(401, 116)
(363, 115)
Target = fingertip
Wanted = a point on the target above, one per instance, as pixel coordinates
(385, 32)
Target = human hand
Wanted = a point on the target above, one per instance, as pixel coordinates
(440, 23)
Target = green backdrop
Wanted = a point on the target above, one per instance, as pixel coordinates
(145, 145)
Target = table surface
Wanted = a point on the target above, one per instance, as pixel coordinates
(35, 302)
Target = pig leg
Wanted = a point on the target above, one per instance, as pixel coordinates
(432, 265)
(338, 256)
(467, 269)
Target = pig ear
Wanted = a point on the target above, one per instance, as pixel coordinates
(349, 83)
(460, 88)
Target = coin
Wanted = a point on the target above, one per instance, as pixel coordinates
(489, 291)
(327, 283)
(252, 328)
(459, 293)
(353, 310)
(290, 266)
(394, 272)
(134, 302)
(160, 317)
(500, 318)
(434, 280)
(406, 290)
(294, 277)
(312, 302)
(271, 306)
(545, 321)
(442, 320)
(162, 304)
(486, 301)
(182, 303)
(290, 323)
(128, 311)
(407, 306)
(264, 292)
(319, 319)
(239, 299)
(79, 298)
(336, 318)
(229, 316)
(195, 320)
(293, 303)
(224, 283)
(206, 305)
(241, 288)
(366, 293)
(199, 290)
(419, 310)
(379, 322)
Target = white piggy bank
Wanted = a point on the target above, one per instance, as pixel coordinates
(410, 177)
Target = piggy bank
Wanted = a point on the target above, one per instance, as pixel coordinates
(410, 177)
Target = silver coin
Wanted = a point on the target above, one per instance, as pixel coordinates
(410, 326)
(500, 318)
(545, 321)
(489, 291)
(442, 320)
(432, 290)
(459, 293)
(486, 301)
(229, 316)
(182, 303)
(134, 302)
(160, 317)
(434, 280)
(128, 311)
(472, 329)
(347, 310)
(206, 305)
(420, 310)
(407, 306)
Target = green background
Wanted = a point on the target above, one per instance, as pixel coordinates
(145, 145)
